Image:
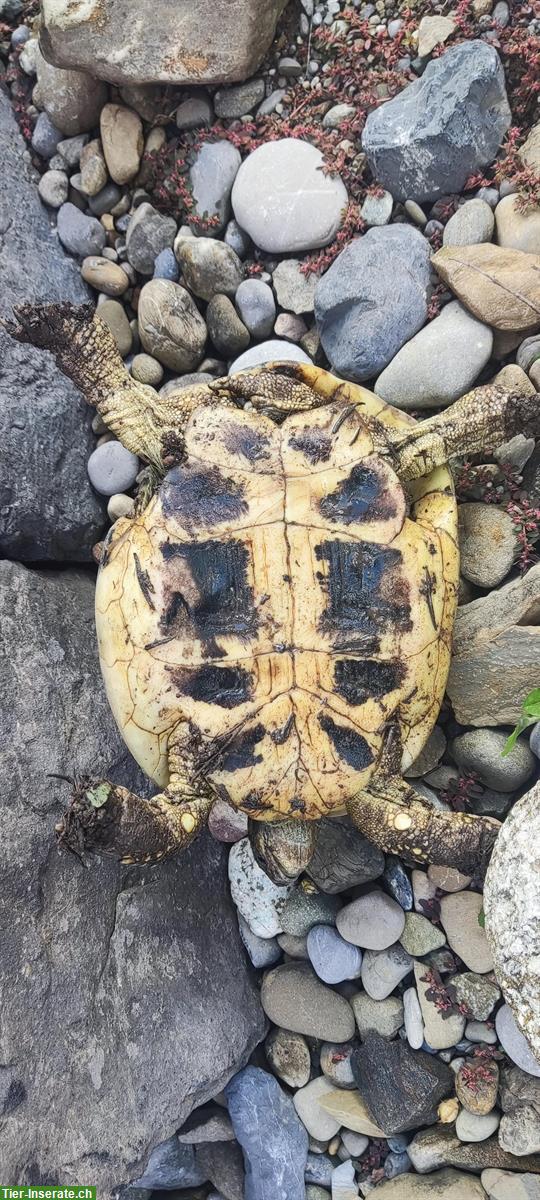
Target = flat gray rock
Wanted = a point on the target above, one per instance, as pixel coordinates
(373, 299)
(427, 372)
(137, 994)
(47, 508)
(442, 128)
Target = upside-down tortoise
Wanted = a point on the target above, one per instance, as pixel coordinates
(275, 621)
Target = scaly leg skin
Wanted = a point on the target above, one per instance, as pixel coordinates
(108, 819)
(272, 389)
(392, 815)
(149, 425)
(482, 420)
(282, 849)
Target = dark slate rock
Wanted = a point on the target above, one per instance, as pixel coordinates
(343, 858)
(398, 883)
(401, 1087)
(137, 994)
(274, 1141)
(373, 299)
(47, 507)
(319, 1169)
(443, 127)
(171, 1165)
(223, 1164)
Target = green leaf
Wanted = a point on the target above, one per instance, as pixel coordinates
(99, 795)
(530, 714)
(531, 705)
(482, 919)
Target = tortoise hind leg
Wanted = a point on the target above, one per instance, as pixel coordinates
(108, 819)
(282, 848)
(482, 420)
(393, 816)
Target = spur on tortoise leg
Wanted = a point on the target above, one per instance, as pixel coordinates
(275, 623)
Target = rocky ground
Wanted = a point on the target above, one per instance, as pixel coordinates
(216, 228)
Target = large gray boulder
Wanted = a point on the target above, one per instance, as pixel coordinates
(373, 299)
(160, 41)
(47, 507)
(125, 993)
(442, 128)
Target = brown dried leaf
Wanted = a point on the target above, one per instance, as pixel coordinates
(501, 287)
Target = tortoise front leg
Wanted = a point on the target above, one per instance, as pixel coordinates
(482, 420)
(108, 819)
(274, 389)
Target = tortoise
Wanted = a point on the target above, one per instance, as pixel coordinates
(275, 619)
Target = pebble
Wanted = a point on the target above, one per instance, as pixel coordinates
(272, 1137)
(317, 1193)
(471, 223)
(212, 176)
(194, 112)
(382, 970)
(332, 958)
(233, 102)
(374, 921)
(337, 114)
(263, 952)
(412, 1016)
(294, 947)
(120, 505)
(105, 276)
(377, 210)
(477, 1086)
(114, 315)
(519, 1132)
(45, 137)
(444, 127)
(424, 889)
(226, 824)
(209, 267)
(351, 1111)
(471, 1127)
(448, 879)
(123, 141)
(336, 1064)
(416, 213)
(256, 305)
(284, 201)
(53, 188)
(271, 351)
(112, 468)
(146, 369)
(105, 200)
(290, 327)
(295, 291)
(478, 994)
(480, 750)
(380, 1016)
(79, 234)
(238, 240)
(509, 1185)
(148, 233)
(373, 299)
(355, 1143)
(465, 935)
(432, 31)
(420, 936)
(306, 907)
(289, 1057)
(295, 999)
(271, 102)
(343, 1182)
(403, 1087)
(343, 858)
(440, 1032)
(227, 332)
(259, 901)
(93, 168)
(319, 1124)
(515, 229)
(170, 325)
(426, 372)
(514, 1042)
(480, 1031)
(71, 149)
(488, 544)
(73, 99)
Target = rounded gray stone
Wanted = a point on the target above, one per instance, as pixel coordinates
(212, 176)
(257, 307)
(377, 210)
(306, 907)
(284, 201)
(514, 1042)
(374, 921)
(373, 299)
(53, 188)
(112, 468)
(194, 112)
(480, 750)
(237, 101)
(473, 222)
(289, 1057)
(487, 542)
(81, 235)
(332, 958)
(381, 1016)
(258, 900)
(170, 325)
(427, 372)
(209, 267)
(272, 351)
(293, 997)
(295, 291)
(382, 970)
(148, 233)
(227, 332)
(46, 136)
(441, 129)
